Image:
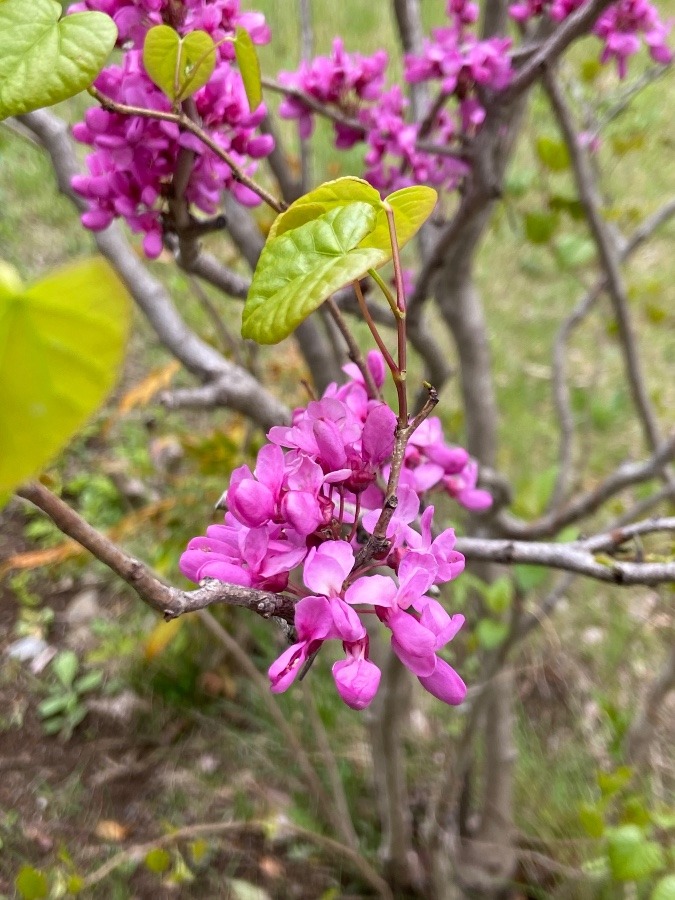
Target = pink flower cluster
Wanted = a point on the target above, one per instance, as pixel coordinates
(354, 86)
(621, 27)
(134, 158)
(315, 488)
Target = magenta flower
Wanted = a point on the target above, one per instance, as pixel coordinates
(313, 624)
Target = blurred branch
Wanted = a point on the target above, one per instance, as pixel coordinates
(561, 394)
(609, 258)
(583, 505)
(306, 53)
(411, 35)
(138, 852)
(235, 386)
(575, 26)
(643, 726)
(327, 809)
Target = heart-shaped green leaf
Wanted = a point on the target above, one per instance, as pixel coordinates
(178, 66)
(412, 207)
(327, 196)
(300, 269)
(45, 59)
(249, 67)
(61, 343)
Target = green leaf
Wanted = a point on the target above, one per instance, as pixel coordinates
(88, 682)
(74, 884)
(412, 207)
(567, 204)
(300, 269)
(53, 725)
(249, 67)
(631, 855)
(553, 153)
(529, 578)
(326, 239)
(540, 226)
(45, 59)
(665, 889)
(499, 595)
(157, 860)
(491, 634)
(53, 705)
(591, 820)
(65, 666)
(31, 883)
(611, 783)
(327, 196)
(572, 251)
(61, 343)
(178, 66)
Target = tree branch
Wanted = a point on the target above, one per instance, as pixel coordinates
(169, 601)
(561, 394)
(583, 505)
(578, 556)
(609, 258)
(237, 387)
(575, 26)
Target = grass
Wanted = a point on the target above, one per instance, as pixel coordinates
(526, 297)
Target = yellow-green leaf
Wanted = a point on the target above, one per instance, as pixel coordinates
(61, 343)
(46, 58)
(249, 67)
(300, 269)
(327, 196)
(178, 66)
(412, 207)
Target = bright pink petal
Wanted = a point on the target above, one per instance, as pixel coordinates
(373, 590)
(444, 683)
(357, 681)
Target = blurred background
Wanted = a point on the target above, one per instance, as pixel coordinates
(116, 726)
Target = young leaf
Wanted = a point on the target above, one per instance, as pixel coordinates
(53, 705)
(45, 59)
(540, 226)
(665, 889)
(65, 666)
(491, 634)
(631, 855)
(303, 267)
(553, 154)
(412, 207)
(591, 820)
(178, 66)
(157, 860)
(31, 884)
(327, 196)
(249, 67)
(61, 343)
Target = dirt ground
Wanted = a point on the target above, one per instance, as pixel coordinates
(69, 806)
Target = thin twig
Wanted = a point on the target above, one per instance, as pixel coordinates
(561, 394)
(609, 258)
(183, 121)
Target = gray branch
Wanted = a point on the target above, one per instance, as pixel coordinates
(583, 505)
(237, 388)
(561, 394)
(609, 258)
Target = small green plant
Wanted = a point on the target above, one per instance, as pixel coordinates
(635, 838)
(63, 709)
